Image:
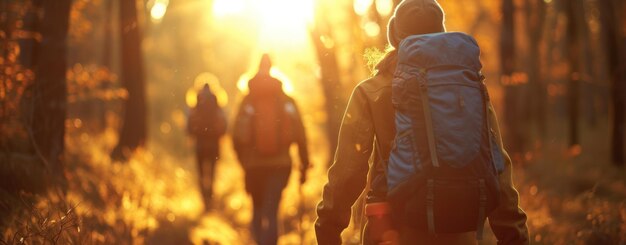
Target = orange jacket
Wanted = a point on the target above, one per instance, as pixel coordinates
(369, 118)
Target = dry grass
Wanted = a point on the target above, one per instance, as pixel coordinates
(571, 196)
(49, 221)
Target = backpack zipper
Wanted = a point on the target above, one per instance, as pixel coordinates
(428, 119)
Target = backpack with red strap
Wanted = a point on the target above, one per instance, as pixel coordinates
(266, 120)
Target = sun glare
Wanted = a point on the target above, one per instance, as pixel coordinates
(159, 7)
(281, 23)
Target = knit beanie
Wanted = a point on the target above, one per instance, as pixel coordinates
(415, 17)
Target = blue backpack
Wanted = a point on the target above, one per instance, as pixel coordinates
(442, 174)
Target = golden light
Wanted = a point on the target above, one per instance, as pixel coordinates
(179, 119)
(223, 8)
(158, 10)
(274, 16)
(362, 6)
(283, 22)
(384, 7)
(242, 83)
(287, 83)
(214, 85)
(329, 43)
(371, 29)
(165, 128)
(273, 25)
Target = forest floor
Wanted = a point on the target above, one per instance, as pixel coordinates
(571, 196)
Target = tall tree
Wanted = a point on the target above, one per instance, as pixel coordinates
(331, 85)
(322, 38)
(535, 16)
(50, 87)
(133, 131)
(512, 91)
(381, 21)
(614, 44)
(573, 9)
(588, 77)
(107, 61)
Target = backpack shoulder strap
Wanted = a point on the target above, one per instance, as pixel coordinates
(430, 133)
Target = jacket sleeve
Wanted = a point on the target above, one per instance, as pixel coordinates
(348, 174)
(508, 221)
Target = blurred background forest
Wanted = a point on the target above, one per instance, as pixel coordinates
(94, 98)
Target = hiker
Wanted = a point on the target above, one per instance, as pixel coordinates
(267, 124)
(206, 124)
(439, 168)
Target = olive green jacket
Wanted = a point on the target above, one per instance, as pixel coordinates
(367, 126)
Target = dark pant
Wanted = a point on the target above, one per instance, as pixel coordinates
(206, 175)
(265, 185)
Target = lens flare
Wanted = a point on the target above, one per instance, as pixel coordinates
(362, 6)
(384, 7)
(371, 29)
(158, 10)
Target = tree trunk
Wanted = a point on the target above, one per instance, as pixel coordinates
(573, 53)
(133, 131)
(611, 39)
(587, 77)
(535, 15)
(107, 61)
(381, 21)
(50, 87)
(511, 91)
(331, 86)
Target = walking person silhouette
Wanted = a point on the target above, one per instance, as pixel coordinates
(267, 124)
(206, 125)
